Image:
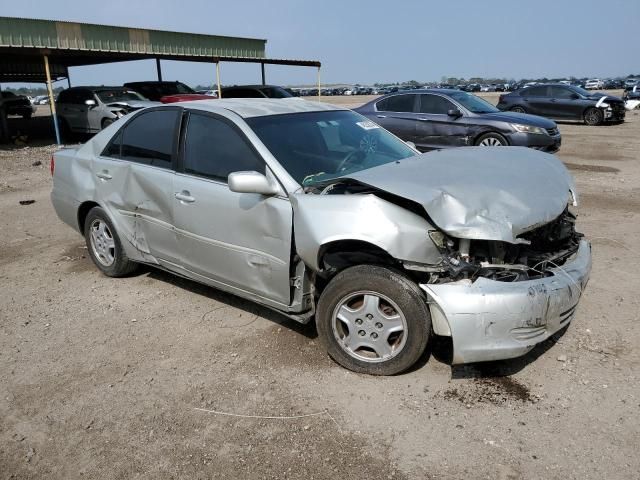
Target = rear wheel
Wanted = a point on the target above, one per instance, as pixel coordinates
(492, 139)
(373, 320)
(104, 245)
(593, 116)
(518, 109)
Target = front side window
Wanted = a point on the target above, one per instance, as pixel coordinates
(214, 149)
(434, 104)
(397, 103)
(473, 103)
(149, 138)
(318, 146)
(561, 92)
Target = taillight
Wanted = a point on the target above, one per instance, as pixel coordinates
(501, 99)
(52, 165)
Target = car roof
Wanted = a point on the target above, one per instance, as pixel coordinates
(101, 87)
(260, 107)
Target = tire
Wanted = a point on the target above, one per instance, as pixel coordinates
(65, 130)
(491, 139)
(593, 116)
(106, 122)
(518, 109)
(104, 245)
(356, 332)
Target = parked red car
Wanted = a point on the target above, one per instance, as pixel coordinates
(166, 92)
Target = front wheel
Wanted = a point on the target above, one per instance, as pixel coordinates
(106, 122)
(492, 139)
(373, 320)
(593, 116)
(518, 110)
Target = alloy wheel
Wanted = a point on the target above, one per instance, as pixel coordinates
(102, 243)
(491, 142)
(369, 326)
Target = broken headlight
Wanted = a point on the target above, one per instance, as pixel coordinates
(528, 129)
(440, 240)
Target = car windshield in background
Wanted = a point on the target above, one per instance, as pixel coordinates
(319, 146)
(472, 103)
(110, 96)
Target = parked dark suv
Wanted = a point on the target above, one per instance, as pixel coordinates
(565, 102)
(255, 91)
(445, 118)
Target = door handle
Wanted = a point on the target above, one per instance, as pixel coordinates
(104, 175)
(185, 196)
(381, 116)
(424, 119)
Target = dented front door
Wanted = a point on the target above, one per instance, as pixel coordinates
(242, 240)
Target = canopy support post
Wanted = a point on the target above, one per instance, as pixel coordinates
(319, 89)
(263, 76)
(159, 69)
(218, 79)
(52, 102)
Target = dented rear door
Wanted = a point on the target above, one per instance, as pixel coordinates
(134, 183)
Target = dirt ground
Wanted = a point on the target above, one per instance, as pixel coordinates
(110, 378)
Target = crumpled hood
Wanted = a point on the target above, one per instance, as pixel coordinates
(479, 192)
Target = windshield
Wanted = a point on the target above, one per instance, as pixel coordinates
(472, 103)
(318, 146)
(276, 92)
(111, 96)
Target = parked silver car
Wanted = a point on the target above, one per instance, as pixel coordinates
(316, 211)
(90, 109)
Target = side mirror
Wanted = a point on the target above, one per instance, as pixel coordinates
(90, 103)
(251, 182)
(575, 96)
(454, 112)
(411, 144)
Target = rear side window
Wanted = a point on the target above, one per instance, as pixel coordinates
(435, 104)
(535, 92)
(397, 103)
(149, 138)
(214, 149)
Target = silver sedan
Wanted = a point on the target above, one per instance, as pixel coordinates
(321, 214)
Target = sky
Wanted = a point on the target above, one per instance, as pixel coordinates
(371, 41)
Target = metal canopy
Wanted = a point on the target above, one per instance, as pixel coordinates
(23, 43)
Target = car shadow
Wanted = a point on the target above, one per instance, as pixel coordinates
(443, 351)
(230, 300)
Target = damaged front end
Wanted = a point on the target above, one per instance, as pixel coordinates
(498, 300)
(507, 266)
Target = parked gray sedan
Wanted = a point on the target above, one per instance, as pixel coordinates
(318, 212)
(445, 118)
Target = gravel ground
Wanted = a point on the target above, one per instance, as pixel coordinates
(118, 378)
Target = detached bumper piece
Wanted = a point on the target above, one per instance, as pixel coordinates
(493, 320)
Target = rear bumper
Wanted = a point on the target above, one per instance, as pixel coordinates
(491, 320)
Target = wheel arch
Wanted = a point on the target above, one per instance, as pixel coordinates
(83, 211)
(487, 131)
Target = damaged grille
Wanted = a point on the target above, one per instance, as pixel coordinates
(542, 249)
(553, 131)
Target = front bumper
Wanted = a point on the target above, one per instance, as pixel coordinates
(544, 143)
(491, 320)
